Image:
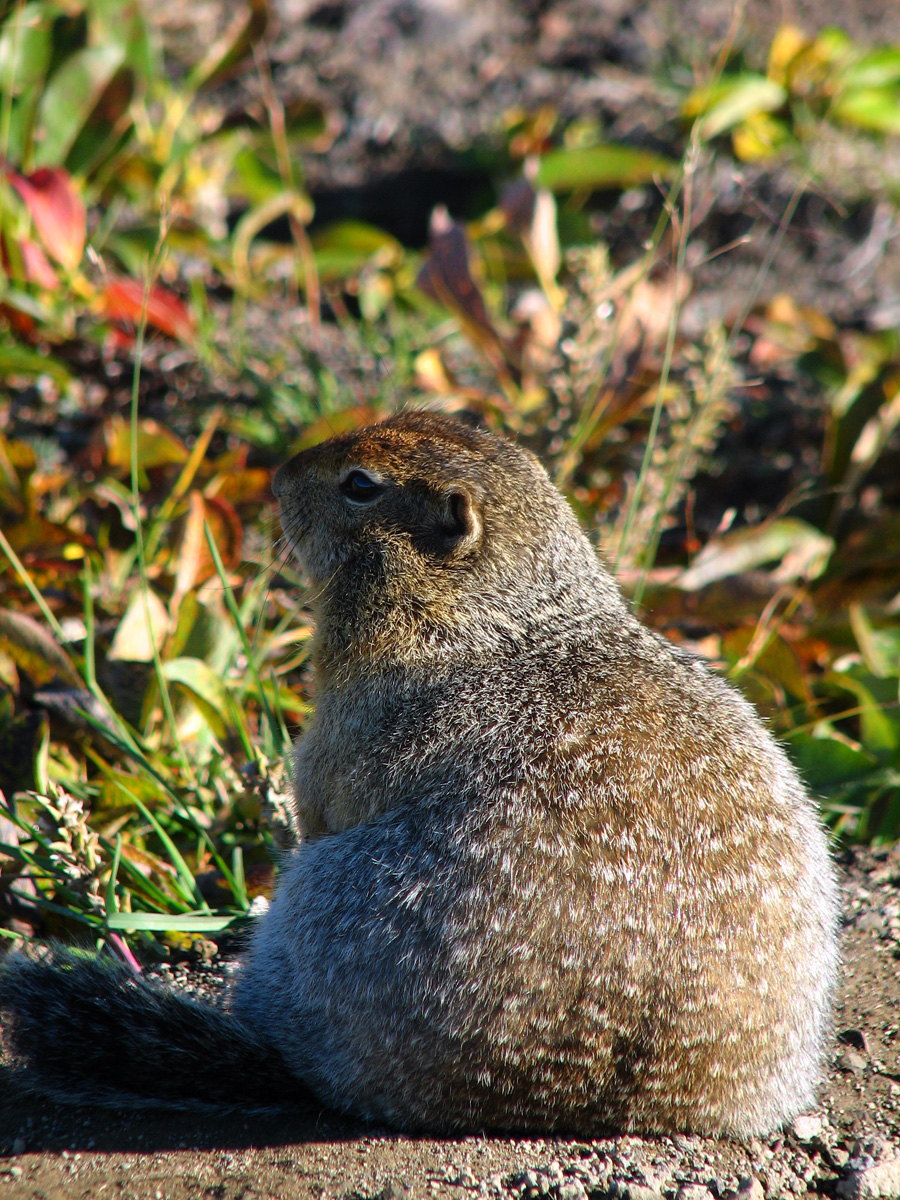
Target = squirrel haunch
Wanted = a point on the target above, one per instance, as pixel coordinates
(556, 874)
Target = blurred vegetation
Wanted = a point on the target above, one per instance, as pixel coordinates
(171, 328)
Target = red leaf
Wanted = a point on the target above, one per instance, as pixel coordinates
(446, 277)
(20, 323)
(37, 265)
(123, 300)
(56, 210)
(34, 264)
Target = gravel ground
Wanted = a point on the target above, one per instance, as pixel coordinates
(848, 1147)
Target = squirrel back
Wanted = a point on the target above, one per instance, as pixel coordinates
(555, 874)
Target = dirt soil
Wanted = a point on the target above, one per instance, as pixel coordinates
(418, 93)
(849, 1146)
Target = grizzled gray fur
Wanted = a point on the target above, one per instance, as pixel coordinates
(555, 874)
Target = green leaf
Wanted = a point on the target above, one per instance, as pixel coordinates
(827, 763)
(163, 922)
(185, 877)
(731, 101)
(136, 881)
(202, 682)
(70, 98)
(801, 549)
(124, 24)
(833, 44)
(112, 906)
(876, 109)
(21, 123)
(611, 165)
(256, 179)
(345, 248)
(25, 47)
(874, 70)
(879, 725)
(35, 650)
(18, 360)
(880, 647)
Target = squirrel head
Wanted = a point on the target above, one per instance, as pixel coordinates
(423, 534)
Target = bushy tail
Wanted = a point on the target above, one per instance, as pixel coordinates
(86, 1030)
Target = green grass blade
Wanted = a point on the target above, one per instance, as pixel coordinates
(240, 883)
(232, 607)
(185, 875)
(111, 902)
(163, 923)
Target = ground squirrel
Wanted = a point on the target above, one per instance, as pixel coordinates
(555, 874)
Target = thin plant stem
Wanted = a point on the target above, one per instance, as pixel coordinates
(152, 271)
(278, 127)
(689, 166)
(589, 421)
(662, 388)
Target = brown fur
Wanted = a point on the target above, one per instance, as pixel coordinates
(556, 873)
(597, 892)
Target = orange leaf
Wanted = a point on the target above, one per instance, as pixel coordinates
(225, 526)
(194, 562)
(56, 210)
(241, 486)
(123, 300)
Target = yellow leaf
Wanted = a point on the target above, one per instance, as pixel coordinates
(431, 374)
(788, 42)
(33, 649)
(136, 636)
(156, 445)
(760, 136)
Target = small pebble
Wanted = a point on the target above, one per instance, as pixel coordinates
(749, 1188)
(571, 1189)
(807, 1127)
(871, 1179)
(851, 1061)
(693, 1191)
(870, 922)
(640, 1191)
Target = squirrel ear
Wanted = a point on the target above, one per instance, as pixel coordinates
(461, 523)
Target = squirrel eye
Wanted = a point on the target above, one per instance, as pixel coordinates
(360, 487)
